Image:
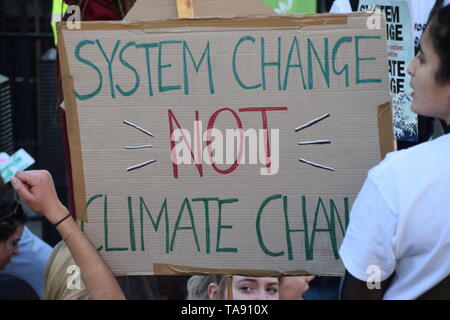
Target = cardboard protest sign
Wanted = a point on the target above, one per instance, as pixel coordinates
(223, 145)
(400, 44)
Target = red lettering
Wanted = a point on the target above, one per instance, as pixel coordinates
(172, 146)
(211, 122)
(265, 126)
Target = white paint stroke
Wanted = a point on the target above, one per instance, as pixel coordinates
(140, 165)
(310, 123)
(139, 147)
(137, 127)
(315, 164)
(301, 143)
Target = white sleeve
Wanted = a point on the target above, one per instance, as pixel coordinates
(368, 241)
(341, 6)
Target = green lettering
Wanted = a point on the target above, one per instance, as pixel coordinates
(258, 227)
(207, 226)
(129, 66)
(265, 64)
(147, 47)
(235, 73)
(324, 66)
(345, 68)
(206, 54)
(109, 61)
(164, 211)
(290, 65)
(162, 66)
(90, 64)
(192, 227)
(220, 226)
(358, 60)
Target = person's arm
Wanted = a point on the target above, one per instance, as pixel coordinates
(36, 188)
(368, 248)
(355, 289)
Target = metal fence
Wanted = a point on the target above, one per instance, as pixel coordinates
(28, 60)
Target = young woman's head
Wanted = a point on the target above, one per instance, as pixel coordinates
(214, 287)
(12, 221)
(430, 69)
(57, 272)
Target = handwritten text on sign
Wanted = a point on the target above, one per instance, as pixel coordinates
(172, 125)
(326, 54)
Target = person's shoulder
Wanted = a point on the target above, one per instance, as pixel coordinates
(420, 158)
(32, 244)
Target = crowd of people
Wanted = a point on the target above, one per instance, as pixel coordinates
(399, 221)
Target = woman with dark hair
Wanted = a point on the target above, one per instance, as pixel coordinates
(12, 221)
(15, 288)
(397, 245)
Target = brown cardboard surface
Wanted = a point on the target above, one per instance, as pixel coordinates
(145, 10)
(152, 10)
(212, 8)
(73, 132)
(153, 219)
(165, 269)
(385, 132)
(298, 21)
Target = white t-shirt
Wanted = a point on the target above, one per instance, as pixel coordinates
(400, 221)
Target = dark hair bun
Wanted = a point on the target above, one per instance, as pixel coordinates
(11, 212)
(440, 37)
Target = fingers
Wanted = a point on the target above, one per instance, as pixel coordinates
(34, 177)
(36, 188)
(27, 176)
(308, 279)
(22, 189)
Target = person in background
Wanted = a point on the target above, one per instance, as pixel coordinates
(61, 271)
(12, 221)
(29, 264)
(215, 287)
(397, 244)
(15, 288)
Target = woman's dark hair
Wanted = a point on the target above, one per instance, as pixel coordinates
(15, 288)
(11, 212)
(440, 37)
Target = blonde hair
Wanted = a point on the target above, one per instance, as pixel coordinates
(56, 276)
(197, 286)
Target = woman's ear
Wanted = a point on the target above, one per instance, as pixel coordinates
(214, 291)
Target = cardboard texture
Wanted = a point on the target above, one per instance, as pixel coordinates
(144, 10)
(164, 83)
(170, 9)
(208, 8)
